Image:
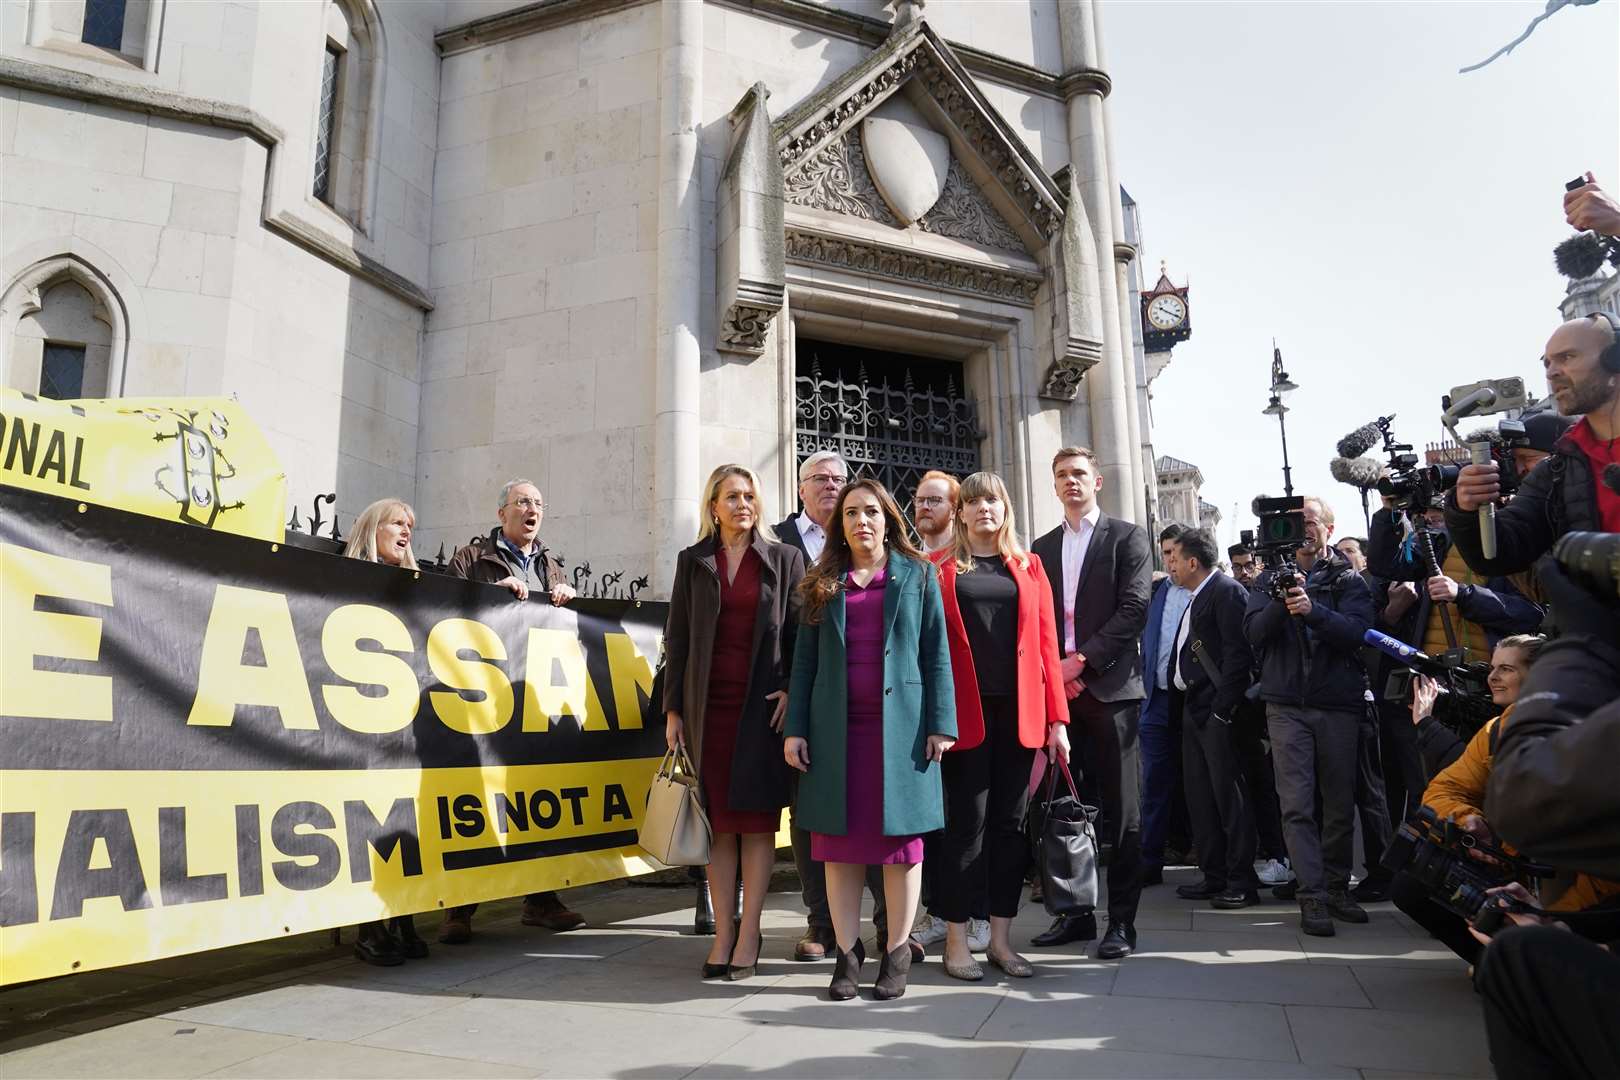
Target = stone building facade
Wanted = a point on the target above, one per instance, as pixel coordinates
(433, 245)
(1180, 500)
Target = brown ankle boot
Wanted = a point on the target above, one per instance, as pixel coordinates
(891, 980)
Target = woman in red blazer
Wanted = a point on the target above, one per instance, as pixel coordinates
(1009, 703)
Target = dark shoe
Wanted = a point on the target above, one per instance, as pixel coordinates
(1118, 943)
(1341, 907)
(551, 913)
(1371, 891)
(739, 972)
(1035, 894)
(403, 930)
(715, 971)
(846, 980)
(1232, 899)
(1286, 891)
(375, 945)
(1314, 918)
(891, 980)
(703, 913)
(1066, 929)
(1152, 875)
(457, 926)
(918, 953)
(817, 942)
(1201, 891)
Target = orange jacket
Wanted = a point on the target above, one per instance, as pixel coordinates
(1041, 701)
(1458, 791)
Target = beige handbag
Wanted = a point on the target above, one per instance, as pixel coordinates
(676, 830)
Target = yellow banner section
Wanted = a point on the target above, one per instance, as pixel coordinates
(113, 867)
(200, 461)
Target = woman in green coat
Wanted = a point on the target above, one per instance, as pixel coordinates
(871, 711)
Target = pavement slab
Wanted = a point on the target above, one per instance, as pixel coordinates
(1207, 994)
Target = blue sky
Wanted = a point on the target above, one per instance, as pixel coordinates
(1324, 175)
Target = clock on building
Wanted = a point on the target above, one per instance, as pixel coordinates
(1164, 314)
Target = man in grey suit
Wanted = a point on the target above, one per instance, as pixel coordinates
(1101, 570)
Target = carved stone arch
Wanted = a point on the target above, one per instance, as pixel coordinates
(28, 278)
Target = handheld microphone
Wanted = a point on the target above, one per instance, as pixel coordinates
(1359, 441)
(1414, 658)
(1358, 472)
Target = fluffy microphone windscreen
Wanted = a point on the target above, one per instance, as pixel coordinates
(1357, 472)
(1359, 441)
(1580, 256)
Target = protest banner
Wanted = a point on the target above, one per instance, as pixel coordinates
(212, 739)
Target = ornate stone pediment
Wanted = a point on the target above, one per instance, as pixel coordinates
(820, 148)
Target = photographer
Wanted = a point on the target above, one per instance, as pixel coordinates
(1458, 793)
(1564, 493)
(1308, 637)
(1552, 999)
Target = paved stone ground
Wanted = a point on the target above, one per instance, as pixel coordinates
(1209, 994)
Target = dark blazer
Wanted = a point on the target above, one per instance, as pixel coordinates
(1040, 699)
(787, 531)
(1150, 641)
(1110, 608)
(759, 774)
(919, 700)
(1216, 661)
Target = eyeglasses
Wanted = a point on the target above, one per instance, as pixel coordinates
(932, 501)
(527, 504)
(826, 479)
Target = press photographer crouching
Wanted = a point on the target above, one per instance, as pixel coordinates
(1457, 793)
(1307, 630)
(1552, 998)
(1568, 491)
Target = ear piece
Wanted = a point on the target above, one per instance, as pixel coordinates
(1609, 358)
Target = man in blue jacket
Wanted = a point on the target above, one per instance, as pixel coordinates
(1160, 741)
(1313, 684)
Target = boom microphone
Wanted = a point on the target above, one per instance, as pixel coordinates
(1359, 441)
(1583, 254)
(1361, 472)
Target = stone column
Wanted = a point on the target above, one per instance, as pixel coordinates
(1123, 254)
(676, 481)
(1109, 388)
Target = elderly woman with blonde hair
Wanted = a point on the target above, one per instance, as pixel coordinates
(382, 534)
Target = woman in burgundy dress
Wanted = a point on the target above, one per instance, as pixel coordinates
(872, 711)
(733, 614)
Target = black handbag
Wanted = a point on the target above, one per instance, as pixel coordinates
(1063, 845)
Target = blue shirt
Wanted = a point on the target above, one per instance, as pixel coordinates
(1176, 600)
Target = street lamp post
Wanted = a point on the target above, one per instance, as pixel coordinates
(1280, 385)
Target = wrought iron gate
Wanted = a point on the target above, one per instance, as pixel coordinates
(894, 433)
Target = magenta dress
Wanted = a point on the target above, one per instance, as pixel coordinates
(864, 842)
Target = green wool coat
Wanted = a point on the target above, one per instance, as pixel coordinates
(918, 701)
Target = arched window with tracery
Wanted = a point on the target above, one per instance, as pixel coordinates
(348, 105)
(63, 332)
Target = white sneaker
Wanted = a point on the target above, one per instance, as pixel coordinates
(978, 934)
(1273, 872)
(930, 930)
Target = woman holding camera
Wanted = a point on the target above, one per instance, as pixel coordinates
(382, 534)
(1009, 703)
(871, 714)
(733, 613)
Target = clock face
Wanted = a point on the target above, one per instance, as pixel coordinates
(1167, 312)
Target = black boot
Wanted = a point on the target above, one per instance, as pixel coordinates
(703, 914)
(846, 980)
(375, 945)
(403, 930)
(891, 980)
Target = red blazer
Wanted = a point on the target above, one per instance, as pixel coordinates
(1041, 700)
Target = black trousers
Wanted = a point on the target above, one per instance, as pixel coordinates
(1404, 780)
(1107, 733)
(1552, 1005)
(1314, 751)
(1443, 924)
(1254, 757)
(1372, 801)
(986, 794)
(1217, 798)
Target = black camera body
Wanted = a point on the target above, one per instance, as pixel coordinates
(1280, 534)
(1436, 854)
(1414, 487)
